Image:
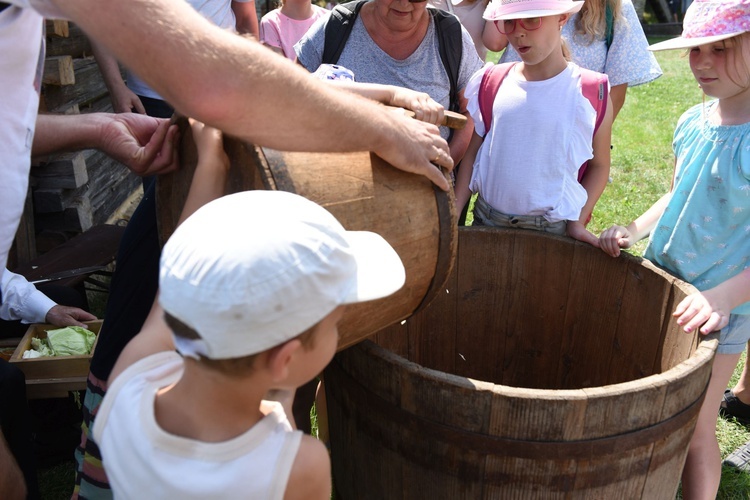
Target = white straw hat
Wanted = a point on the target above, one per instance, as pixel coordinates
(252, 270)
(708, 22)
(500, 10)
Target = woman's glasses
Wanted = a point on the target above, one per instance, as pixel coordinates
(506, 27)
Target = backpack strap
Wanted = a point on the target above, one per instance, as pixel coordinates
(4, 6)
(610, 20)
(338, 28)
(450, 46)
(488, 87)
(595, 88)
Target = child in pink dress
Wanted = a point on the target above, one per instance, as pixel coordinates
(281, 28)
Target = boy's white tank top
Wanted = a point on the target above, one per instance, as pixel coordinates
(143, 461)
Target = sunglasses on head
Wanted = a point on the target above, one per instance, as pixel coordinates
(507, 26)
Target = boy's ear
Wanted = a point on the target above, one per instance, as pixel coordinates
(563, 19)
(279, 358)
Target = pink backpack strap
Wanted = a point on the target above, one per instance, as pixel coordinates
(595, 88)
(491, 80)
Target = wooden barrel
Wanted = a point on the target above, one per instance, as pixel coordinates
(364, 193)
(545, 369)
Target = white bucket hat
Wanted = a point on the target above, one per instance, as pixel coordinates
(708, 22)
(252, 270)
(501, 10)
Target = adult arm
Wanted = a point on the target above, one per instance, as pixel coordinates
(236, 85)
(22, 301)
(143, 143)
(247, 18)
(123, 99)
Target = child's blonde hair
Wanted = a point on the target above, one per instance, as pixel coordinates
(592, 18)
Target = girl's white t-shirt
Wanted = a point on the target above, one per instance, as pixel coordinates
(541, 133)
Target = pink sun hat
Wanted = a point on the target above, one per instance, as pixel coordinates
(709, 21)
(500, 10)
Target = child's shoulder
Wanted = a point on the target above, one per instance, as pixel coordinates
(311, 472)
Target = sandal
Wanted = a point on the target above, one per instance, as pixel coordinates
(739, 458)
(732, 407)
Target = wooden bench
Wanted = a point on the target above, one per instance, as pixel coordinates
(95, 247)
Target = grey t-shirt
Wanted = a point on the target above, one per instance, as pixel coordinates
(423, 70)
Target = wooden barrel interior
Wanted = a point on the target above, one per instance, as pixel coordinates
(526, 309)
(364, 193)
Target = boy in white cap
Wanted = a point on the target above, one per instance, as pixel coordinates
(252, 302)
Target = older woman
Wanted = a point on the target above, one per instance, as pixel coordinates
(396, 42)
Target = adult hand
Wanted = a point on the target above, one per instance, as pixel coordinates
(710, 308)
(68, 316)
(415, 146)
(613, 239)
(146, 145)
(425, 108)
(577, 230)
(124, 100)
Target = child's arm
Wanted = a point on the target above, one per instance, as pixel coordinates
(492, 38)
(208, 184)
(425, 108)
(210, 177)
(463, 177)
(616, 237)
(711, 308)
(310, 477)
(595, 178)
(461, 137)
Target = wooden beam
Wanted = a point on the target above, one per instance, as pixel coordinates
(58, 70)
(67, 171)
(57, 27)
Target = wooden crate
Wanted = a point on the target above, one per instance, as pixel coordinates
(53, 376)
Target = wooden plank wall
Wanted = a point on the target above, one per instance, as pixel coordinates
(71, 192)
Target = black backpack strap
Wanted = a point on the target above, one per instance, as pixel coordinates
(4, 6)
(450, 46)
(338, 28)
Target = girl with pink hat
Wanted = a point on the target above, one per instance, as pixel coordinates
(524, 158)
(699, 231)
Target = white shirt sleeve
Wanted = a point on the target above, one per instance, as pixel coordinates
(21, 300)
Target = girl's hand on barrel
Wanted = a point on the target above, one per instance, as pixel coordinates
(210, 146)
(577, 230)
(417, 147)
(613, 239)
(710, 308)
(425, 108)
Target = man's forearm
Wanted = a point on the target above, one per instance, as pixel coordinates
(57, 133)
(228, 81)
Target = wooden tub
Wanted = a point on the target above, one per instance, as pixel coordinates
(545, 369)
